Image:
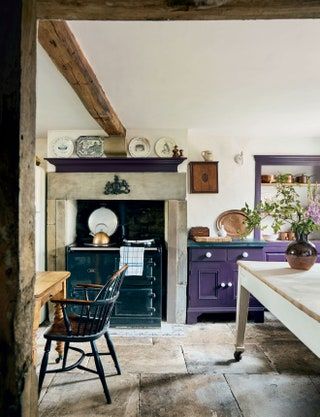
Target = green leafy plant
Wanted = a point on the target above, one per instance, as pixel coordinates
(282, 178)
(284, 208)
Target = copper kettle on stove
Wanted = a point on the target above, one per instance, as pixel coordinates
(99, 236)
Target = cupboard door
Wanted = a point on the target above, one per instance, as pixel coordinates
(203, 177)
(211, 284)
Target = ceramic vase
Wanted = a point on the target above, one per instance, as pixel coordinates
(301, 254)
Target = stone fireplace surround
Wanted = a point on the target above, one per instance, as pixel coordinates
(63, 191)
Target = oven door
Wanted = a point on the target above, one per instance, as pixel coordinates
(134, 302)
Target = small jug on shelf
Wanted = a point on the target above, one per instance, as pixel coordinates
(207, 155)
(222, 232)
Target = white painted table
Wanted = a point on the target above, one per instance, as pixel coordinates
(292, 296)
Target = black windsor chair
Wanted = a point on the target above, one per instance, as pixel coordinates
(90, 324)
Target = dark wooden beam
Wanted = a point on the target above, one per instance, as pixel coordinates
(177, 9)
(62, 47)
(18, 387)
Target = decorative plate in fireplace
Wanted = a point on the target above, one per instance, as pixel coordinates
(103, 216)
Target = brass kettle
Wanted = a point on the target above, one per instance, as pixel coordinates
(100, 237)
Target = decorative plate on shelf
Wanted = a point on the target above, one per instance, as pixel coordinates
(62, 147)
(164, 147)
(233, 222)
(89, 146)
(139, 147)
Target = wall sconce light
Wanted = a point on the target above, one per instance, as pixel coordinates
(238, 159)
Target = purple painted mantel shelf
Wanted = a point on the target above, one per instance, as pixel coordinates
(116, 164)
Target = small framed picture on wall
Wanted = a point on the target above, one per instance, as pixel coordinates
(203, 177)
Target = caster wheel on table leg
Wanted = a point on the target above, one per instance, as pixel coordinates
(237, 356)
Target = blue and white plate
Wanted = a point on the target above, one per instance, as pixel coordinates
(89, 146)
(62, 147)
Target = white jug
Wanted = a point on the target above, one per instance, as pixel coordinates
(207, 155)
(222, 232)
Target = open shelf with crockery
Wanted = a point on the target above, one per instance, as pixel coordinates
(298, 171)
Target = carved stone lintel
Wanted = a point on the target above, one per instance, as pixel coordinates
(118, 186)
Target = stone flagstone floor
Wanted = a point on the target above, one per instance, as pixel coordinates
(189, 371)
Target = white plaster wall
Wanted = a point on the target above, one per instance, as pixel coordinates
(236, 182)
(58, 106)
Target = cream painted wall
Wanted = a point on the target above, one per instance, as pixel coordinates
(236, 182)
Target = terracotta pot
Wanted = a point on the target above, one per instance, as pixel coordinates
(301, 254)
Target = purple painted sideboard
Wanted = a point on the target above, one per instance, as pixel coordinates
(213, 274)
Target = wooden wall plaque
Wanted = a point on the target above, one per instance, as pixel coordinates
(204, 177)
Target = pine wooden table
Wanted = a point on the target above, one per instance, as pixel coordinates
(293, 296)
(48, 284)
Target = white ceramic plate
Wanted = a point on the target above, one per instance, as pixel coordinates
(164, 147)
(89, 146)
(139, 147)
(105, 217)
(62, 147)
(270, 237)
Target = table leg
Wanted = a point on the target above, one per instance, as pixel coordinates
(58, 315)
(36, 319)
(242, 316)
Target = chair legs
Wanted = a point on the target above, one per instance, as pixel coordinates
(100, 371)
(44, 364)
(97, 361)
(65, 354)
(112, 352)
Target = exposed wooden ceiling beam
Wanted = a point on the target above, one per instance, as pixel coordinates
(62, 47)
(177, 9)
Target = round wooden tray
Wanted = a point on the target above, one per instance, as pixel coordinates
(232, 220)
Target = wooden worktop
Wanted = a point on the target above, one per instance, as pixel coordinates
(301, 288)
(46, 279)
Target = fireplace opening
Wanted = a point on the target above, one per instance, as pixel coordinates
(137, 220)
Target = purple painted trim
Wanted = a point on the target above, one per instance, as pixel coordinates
(287, 159)
(116, 164)
(278, 160)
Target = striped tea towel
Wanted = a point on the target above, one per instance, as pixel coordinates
(133, 256)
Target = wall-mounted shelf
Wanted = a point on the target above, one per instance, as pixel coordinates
(116, 164)
(292, 184)
(280, 160)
